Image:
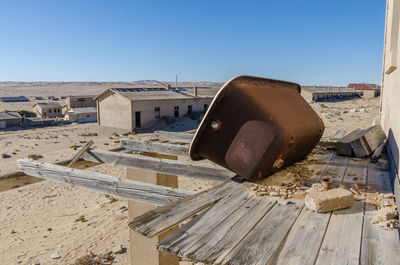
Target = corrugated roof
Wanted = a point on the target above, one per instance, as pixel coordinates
(82, 110)
(9, 115)
(160, 93)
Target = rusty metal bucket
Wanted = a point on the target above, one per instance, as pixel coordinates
(257, 126)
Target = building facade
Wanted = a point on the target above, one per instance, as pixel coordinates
(390, 111)
(81, 114)
(122, 110)
(48, 110)
(9, 119)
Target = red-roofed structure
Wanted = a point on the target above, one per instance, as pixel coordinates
(363, 86)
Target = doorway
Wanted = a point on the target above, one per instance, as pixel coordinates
(137, 119)
(176, 108)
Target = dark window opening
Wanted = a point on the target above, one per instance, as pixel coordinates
(205, 107)
(157, 113)
(189, 109)
(176, 113)
(137, 119)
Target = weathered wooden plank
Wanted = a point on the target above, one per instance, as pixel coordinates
(378, 246)
(310, 227)
(217, 214)
(233, 232)
(161, 219)
(208, 248)
(174, 137)
(304, 239)
(265, 238)
(342, 241)
(79, 154)
(160, 165)
(131, 190)
(155, 147)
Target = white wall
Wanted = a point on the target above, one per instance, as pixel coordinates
(390, 115)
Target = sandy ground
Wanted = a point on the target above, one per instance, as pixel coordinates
(33, 226)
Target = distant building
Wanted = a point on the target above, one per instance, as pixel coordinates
(121, 110)
(48, 110)
(81, 101)
(14, 99)
(369, 90)
(10, 119)
(81, 114)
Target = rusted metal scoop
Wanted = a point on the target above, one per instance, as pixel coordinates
(257, 126)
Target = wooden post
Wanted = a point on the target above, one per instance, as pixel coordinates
(142, 250)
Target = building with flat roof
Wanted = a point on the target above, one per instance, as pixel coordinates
(122, 110)
(88, 114)
(48, 110)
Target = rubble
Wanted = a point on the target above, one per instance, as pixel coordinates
(328, 200)
(386, 217)
(285, 191)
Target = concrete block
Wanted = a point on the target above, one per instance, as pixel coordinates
(329, 200)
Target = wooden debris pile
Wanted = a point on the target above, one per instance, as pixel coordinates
(361, 143)
(284, 191)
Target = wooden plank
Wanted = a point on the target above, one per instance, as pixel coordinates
(216, 214)
(161, 219)
(304, 239)
(378, 246)
(131, 190)
(310, 227)
(160, 165)
(174, 137)
(81, 151)
(155, 147)
(233, 232)
(342, 241)
(212, 245)
(259, 246)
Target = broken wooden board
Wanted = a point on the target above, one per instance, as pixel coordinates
(159, 220)
(155, 147)
(129, 189)
(361, 142)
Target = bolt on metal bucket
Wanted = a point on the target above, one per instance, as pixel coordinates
(257, 126)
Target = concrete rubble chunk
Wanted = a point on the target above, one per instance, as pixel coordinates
(329, 200)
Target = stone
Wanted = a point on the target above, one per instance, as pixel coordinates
(55, 255)
(330, 200)
(383, 164)
(117, 249)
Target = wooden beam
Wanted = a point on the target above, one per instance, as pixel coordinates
(128, 189)
(155, 147)
(160, 165)
(174, 137)
(81, 151)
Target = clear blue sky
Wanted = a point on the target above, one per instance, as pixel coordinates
(310, 42)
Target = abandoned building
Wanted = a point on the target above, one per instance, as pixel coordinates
(368, 90)
(88, 114)
(84, 101)
(121, 110)
(10, 119)
(390, 114)
(14, 99)
(48, 110)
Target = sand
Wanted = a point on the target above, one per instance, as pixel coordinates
(27, 215)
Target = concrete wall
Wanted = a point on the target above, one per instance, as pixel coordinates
(167, 108)
(390, 114)
(371, 93)
(114, 114)
(10, 123)
(83, 117)
(77, 102)
(48, 112)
